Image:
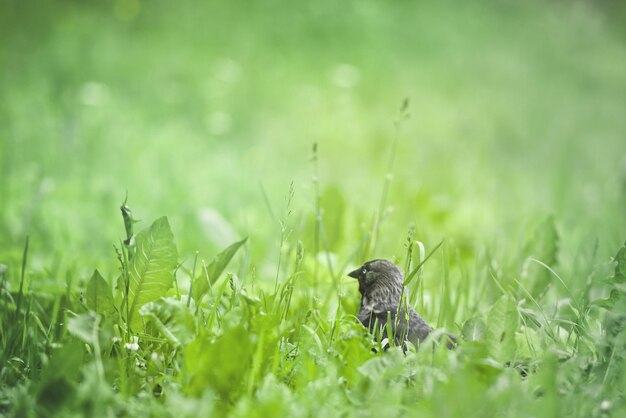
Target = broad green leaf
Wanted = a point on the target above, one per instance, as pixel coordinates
(151, 269)
(543, 246)
(215, 269)
(91, 329)
(502, 324)
(172, 318)
(380, 367)
(98, 295)
(66, 361)
(273, 398)
(474, 329)
(82, 327)
(221, 364)
(527, 343)
(57, 383)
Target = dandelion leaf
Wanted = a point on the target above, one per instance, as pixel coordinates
(151, 270)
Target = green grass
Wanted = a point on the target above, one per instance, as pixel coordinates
(510, 150)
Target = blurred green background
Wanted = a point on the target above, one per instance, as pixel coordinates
(207, 111)
(514, 148)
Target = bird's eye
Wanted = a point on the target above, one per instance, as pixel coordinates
(364, 271)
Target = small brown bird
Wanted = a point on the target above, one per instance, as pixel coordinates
(381, 284)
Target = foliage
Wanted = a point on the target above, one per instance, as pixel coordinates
(249, 356)
(509, 177)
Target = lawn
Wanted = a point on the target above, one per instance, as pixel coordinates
(260, 151)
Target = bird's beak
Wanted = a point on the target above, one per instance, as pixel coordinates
(356, 273)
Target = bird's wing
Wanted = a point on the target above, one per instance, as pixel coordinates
(418, 328)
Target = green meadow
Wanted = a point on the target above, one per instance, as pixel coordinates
(184, 187)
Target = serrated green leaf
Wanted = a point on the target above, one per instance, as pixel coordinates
(502, 324)
(474, 329)
(172, 318)
(215, 269)
(98, 296)
(609, 302)
(151, 269)
(543, 246)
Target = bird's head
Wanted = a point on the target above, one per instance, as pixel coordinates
(378, 275)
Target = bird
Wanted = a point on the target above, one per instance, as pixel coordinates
(381, 285)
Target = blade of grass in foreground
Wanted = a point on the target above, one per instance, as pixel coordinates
(413, 272)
